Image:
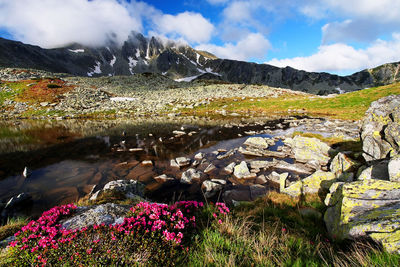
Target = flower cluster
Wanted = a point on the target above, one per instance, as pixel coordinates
(148, 226)
(171, 220)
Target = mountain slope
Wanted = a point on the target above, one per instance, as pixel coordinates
(181, 62)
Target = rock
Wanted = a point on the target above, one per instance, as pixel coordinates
(342, 163)
(311, 184)
(86, 216)
(163, 178)
(174, 164)
(210, 168)
(130, 188)
(229, 169)
(244, 193)
(274, 177)
(261, 164)
(199, 156)
(241, 171)
(27, 172)
(365, 208)
(191, 176)
(18, 200)
(394, 169)
(212, 187)
(261, 179)
(380, 131)
(182, 161)
(283, 181)
(4, 243)
(257, 142)
(178, 133)
(147, 163)
(227, 154)
(249, 152)
(306, 149)
(296, 167)
(377, 171)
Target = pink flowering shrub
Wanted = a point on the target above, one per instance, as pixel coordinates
(151, 233)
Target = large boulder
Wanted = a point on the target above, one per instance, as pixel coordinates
(309, 185)
(307, 149)
(107, 214)
(380, 131)
(365, 208)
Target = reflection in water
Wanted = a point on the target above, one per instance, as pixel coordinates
(65, 169)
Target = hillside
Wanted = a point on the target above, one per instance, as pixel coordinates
(183, 63)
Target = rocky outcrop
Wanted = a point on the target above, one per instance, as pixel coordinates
(107, 214)
(371, 206)
(309, 150)
(365, 208)
(380, 132)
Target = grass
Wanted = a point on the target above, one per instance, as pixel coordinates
(12, 226)
(272, 232)
(349, 106)
(34, 91)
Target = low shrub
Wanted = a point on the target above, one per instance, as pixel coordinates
(152, 233)
(53, 85)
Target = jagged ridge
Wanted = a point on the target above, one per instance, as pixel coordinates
(178, 61)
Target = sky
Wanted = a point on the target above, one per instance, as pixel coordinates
(335, 36)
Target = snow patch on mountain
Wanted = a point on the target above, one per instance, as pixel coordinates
(132, 63)
(113, 60)
(187, 79)
(96, 69)
(210, 70)
(77, 50)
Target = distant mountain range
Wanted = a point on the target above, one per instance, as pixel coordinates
(180, 62)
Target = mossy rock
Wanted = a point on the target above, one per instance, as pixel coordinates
(311, 184)
(365, 208)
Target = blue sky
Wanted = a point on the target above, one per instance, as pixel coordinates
(336, 36)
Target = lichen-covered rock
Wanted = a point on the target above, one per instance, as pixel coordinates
(377, 171)
(191, 176)
(365, 208)
(258, 142)
(380, 131)
(109, 213)
(311, 184)
(342, 163)
(394, 169)
(241, 170)
(307, 149)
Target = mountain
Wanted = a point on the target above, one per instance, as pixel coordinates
(180, 62)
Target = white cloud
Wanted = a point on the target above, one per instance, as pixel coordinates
(191, 26)
(359, 20)
(53, 23)
(254, 45)
(340, 57)
(239, 11)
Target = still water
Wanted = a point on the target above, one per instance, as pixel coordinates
(68, 157)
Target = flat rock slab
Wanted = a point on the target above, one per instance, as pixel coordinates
(109, 213)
